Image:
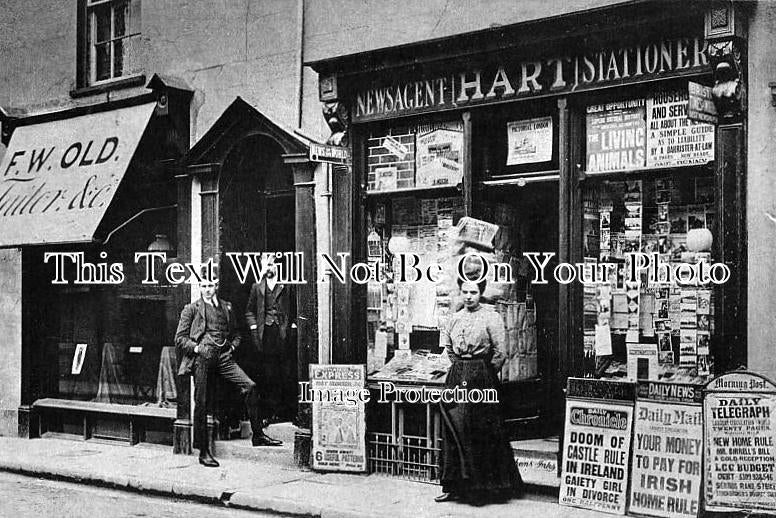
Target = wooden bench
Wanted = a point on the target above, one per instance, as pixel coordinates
(103, 421)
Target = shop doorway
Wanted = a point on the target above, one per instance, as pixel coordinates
(257, 214)
(527, 394)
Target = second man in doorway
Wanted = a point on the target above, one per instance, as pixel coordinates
(269, 315)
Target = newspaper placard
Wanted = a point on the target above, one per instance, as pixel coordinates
(740, 439)
(529, 141)
(339, 423)
(596, 447)
(672, 138)
(667, 449)
(616, 136)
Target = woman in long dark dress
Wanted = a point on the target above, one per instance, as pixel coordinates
(477, 461)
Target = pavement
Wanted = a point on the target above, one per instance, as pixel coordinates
(270, 483)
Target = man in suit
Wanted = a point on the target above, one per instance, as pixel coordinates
(270, 319)
(207, 335)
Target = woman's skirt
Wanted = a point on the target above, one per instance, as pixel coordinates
(476, 455)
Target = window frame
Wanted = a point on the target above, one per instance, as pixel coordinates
(86, 65)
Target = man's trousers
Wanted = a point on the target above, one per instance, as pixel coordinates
(215, 361)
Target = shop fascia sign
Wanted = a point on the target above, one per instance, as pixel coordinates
(507, 80)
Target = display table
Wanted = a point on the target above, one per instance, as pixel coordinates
(403, 434)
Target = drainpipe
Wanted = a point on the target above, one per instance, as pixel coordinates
(299, 61)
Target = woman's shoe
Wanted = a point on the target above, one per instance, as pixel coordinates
(446, 497)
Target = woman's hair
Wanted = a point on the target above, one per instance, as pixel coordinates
(480, 285)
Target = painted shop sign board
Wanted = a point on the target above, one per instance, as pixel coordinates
(339, 418)
(667, 450)
(58, 178)
(532, 76)
(740, 436)
(596, 445)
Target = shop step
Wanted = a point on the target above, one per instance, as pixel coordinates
(538, 461)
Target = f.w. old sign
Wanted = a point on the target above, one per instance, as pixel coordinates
(532, 77)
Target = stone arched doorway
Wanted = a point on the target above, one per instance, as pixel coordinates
(257, 214)
(245, 199)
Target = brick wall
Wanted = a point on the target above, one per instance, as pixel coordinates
(388, 161)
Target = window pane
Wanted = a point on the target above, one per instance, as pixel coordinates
(120, 15)
(102, 61)
(102, 21)
(118, 58)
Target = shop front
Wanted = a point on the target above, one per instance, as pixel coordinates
(552, 150)
(84, 191)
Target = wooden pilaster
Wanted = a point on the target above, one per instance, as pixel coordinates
(306, 293)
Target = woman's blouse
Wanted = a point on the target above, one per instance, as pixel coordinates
(475, 334)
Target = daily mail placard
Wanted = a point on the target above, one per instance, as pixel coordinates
(339, 418)
(667, 450)
(596, 448)
(740, 439)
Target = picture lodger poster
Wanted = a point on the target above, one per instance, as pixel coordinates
(595, 458)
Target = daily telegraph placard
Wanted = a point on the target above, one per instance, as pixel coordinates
(596, 448)
(667, 449)
(740, 409)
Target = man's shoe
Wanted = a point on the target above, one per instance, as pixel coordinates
(446, 497)
(265, 440)
(207, 460)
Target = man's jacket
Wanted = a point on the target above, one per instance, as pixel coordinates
(191, 330)
(255, 314)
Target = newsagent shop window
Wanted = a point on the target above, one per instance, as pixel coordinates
(649, 189)
(109, 40)
(415, 206)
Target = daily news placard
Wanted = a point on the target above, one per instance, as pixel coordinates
(740, 408)
(596, 449)
(667, 449)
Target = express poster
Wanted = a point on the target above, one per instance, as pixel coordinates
(667, 450)
(740, 438)
(339, 424)
(596, 449)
